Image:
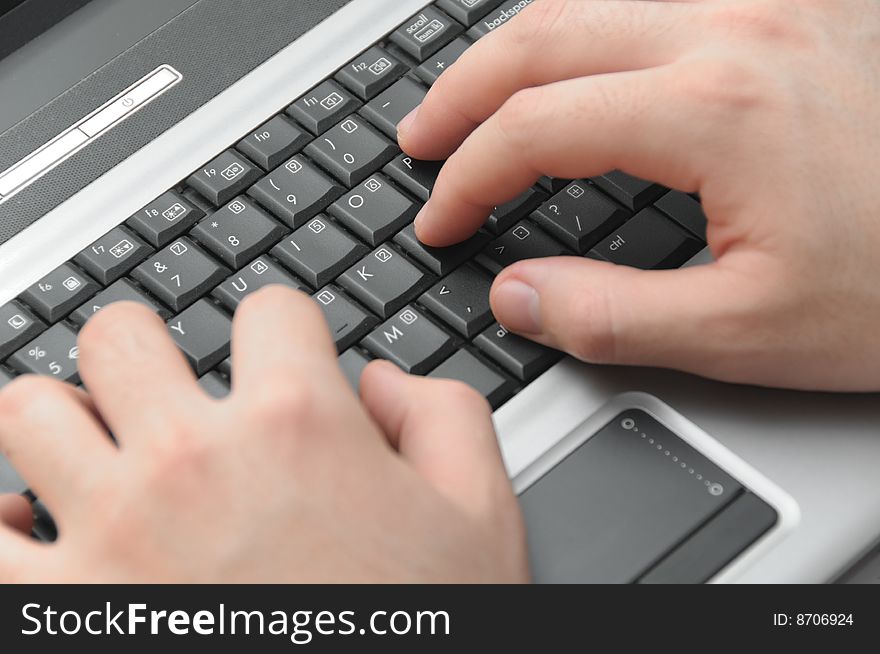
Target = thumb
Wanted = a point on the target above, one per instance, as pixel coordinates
(603, 313)
(444, 430)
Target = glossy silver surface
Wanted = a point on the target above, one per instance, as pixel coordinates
(821, 450)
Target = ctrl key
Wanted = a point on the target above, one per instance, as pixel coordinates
(522, 358)
(54, 354)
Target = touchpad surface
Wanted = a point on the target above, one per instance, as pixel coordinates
(630, 497)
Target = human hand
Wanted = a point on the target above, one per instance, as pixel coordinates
(290, 479)
(770, 109)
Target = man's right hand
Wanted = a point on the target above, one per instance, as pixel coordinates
(769, 108)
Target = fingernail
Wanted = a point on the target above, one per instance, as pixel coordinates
(404, 125)
(518, 307)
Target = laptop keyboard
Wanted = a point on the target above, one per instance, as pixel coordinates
(321, 199)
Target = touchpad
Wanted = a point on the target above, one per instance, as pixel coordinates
(628, 502)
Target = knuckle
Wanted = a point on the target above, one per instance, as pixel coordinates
(726, 85)
(776, 23)
(179, 453)
(543, 18)
(517, 118)
(284, 402)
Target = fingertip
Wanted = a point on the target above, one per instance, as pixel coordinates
(517, 306)
(404, 128)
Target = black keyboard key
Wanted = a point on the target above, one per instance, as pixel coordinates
(113, 255)
(425, 33)
(215, 385)
(60, 292)
(326, 105)
(225, 177)
(250, 279)
(498, 17)
(319, 252)
(437, 64)
(352, 150)
(580, 216)
(506, 215)
(686, 211)
(467, 12)
(296, 192)
(461, 300)
(165, 218)
(375, 210)
(238, 232)
(180, 274)
(10, 481)
(348, 322)
(465, 367)
(631, 192)
(17, 326)
(370, 73)
(440, 261)
(274, 143)
(525, 241)
(53, 353)
(417, 177)
(553, 185)
(411, 341)
(384, 281)
(225, 367)
(45, 528)
(203, 332)
(650, 241)
(352, 362)
(522, 358)
(122, 291)
(392, 105)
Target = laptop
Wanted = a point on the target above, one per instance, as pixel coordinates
(184, 153)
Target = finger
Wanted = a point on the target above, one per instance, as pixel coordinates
(53, 440)
(689, 319)
(633, 121)
(443, 429)
(16, 513)
(136, 375)
(19, 556)
(279, 333)
(551, 41)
